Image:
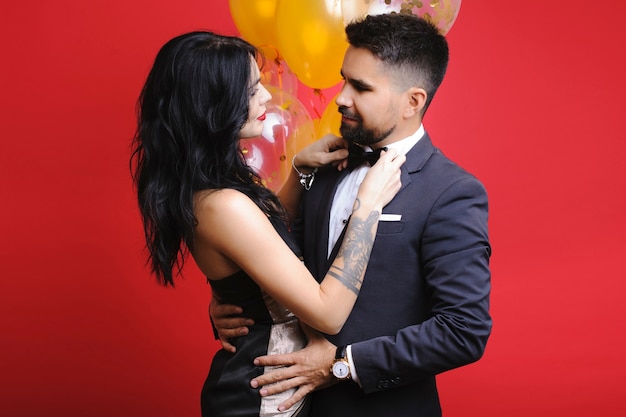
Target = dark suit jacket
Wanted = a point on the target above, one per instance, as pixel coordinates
(424, 304)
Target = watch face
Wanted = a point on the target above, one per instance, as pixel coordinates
(341, 370)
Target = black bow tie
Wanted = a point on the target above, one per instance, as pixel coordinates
(358, 156)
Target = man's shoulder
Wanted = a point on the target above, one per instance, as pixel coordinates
(444, 168)
(440, 174)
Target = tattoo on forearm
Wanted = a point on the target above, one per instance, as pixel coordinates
(339, 275)
(355, 251)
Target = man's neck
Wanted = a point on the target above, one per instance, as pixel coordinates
(398, 135)
(405, 143)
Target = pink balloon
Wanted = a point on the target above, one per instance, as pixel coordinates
(287, 128)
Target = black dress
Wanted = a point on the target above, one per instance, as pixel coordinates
(227, 390)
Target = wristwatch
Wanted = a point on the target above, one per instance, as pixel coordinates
(341, 366)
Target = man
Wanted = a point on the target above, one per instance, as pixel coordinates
(424, 306)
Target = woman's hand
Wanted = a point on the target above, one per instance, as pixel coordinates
(326, 150)
(382, 181)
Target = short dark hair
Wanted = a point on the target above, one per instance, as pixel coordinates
(410, 46)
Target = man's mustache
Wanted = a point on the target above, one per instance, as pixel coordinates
(347, 114)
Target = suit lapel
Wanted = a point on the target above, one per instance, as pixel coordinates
(419, 154)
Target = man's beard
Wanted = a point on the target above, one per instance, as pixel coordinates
(359, 133)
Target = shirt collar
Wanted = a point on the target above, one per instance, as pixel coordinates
(403, 146)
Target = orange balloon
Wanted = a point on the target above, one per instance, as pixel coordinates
(312, 40)
(255, 20)
(330, 120)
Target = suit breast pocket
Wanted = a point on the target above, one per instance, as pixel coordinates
(387, 227)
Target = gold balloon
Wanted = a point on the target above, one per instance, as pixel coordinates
(255, 20)
(312, 40)
(354, 9)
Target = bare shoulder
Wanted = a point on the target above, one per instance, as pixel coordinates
(221, 202)
(232, 227)
(225, 211)
(221, 217)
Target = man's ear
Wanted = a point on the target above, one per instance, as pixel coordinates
(417, 100)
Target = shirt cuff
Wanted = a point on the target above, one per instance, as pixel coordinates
(353, 374)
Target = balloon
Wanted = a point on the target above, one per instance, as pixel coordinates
(276, 72)
(442, 13)
(330, 120)
(354, 10)
(261, 154)
(287, 129)
(255, 20)
(312, 40)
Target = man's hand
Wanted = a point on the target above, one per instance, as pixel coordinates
(227, 324)
(306, 369)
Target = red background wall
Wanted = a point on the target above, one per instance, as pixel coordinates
(533, 104)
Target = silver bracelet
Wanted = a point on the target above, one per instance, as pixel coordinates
(306, 180)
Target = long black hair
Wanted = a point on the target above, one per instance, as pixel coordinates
(190, 113)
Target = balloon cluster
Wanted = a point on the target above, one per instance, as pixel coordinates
(303, 43)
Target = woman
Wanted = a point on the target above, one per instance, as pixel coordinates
(196, 194)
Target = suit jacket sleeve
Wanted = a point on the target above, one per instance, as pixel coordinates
(455, 266)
